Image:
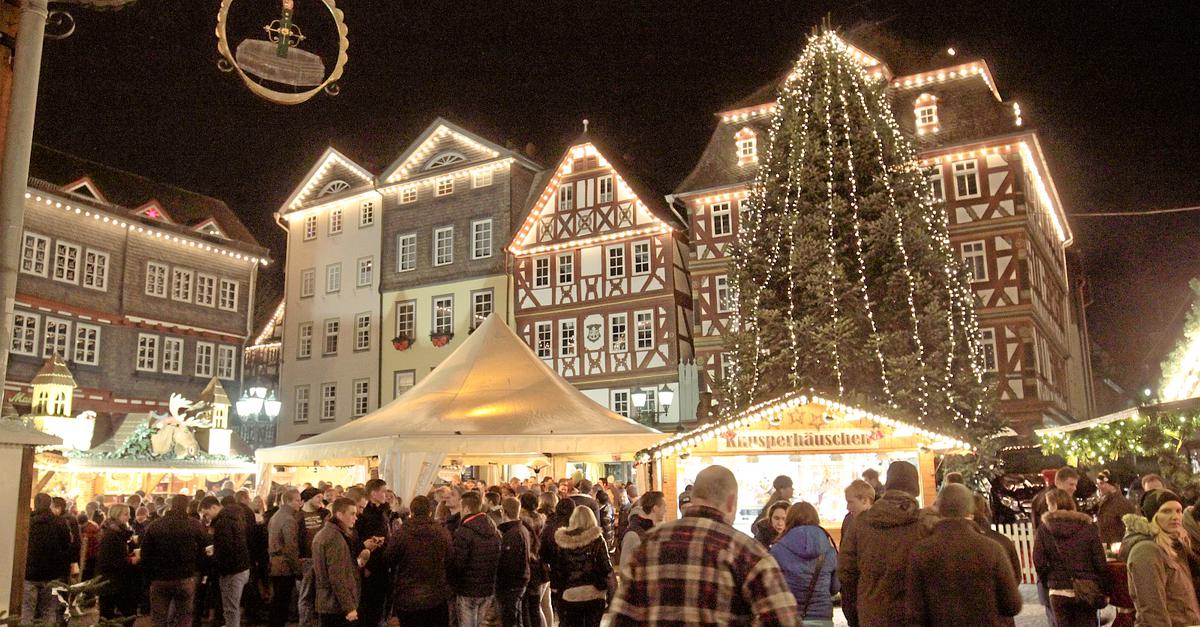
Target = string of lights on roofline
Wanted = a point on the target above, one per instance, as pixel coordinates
(186, 242)
(427, 146)
(332, 158)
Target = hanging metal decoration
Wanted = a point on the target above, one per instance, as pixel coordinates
(277, 61)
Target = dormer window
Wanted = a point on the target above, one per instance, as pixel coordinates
(443, 159)
(926, 113)
(210, 227)
(333, 187)
(747, 146)
(152, 211)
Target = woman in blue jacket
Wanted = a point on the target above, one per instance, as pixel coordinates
(809, 562)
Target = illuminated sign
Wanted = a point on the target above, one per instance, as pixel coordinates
(783, 440)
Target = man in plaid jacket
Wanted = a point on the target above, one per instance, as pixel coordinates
(699, 570)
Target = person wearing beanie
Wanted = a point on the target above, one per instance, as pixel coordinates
(958, 567)
(875, 552)
(1155, 550)
(1113, 506)
(1066, 548)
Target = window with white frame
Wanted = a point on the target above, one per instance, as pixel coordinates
(403, 381)
(651, 401)
(362, 396)
(481, 306)
(406, 252)
(328, 401)
(987, 344)
(66, 262)
(408, 194)
(206, 290)
(308, 282)
(366, 271)
(618, 332)
(181, 284)
(362, 331)
(25, 334)
(444, 187)
(934, 174)
(204, 359)
(406, 319)
(443, 315)
(975, 256)
(604, 189)
(481, 177)
(87, 344)
(641, 258)
(644, 327)
(966, 179)
(304, 340)
(721, 216)
(746, 142)
(616, 261)
(333, 278)
(366, 213)
(228, 297)
(543, 339)
(333, 327)
(443, 246)
(566, 197)
(302, 400)
(147, 352)
(56, 336)
(566, 338)
(310, 227)
(156, 279)
(541, 272)
(724, 296)
(172, 355)
(620, 402)
(481, 239)
(226, 362)
(926, 116)
(335, 221)
(35, 250)
(95, 270)
(566, 268)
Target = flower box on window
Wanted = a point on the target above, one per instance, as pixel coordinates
(440, 339)
(402, 343)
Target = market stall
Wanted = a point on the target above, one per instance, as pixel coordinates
(491, 404)
(821, 444)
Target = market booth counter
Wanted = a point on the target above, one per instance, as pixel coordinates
(821, 444)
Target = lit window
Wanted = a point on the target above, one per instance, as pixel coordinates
(335, 221)
(481, 306)
(934, 175)
(966, 179)
(481, 177)
(604, 189)
(618, 332)
(566, 338)
(543, 340)
(333, 327)
(55, 337)
(362, 332)
(333, 278)
(366, 213)
(406, 319)
(87, 344)
(620, 402)
(408, 194)
(566, 197)
(156, 279)
(721, 215)
(541, 272)
(616, 262)
(206, 290)
(226, 360)
(442, 159)
(443, 315)
(34, 251)
(305, 341)
(976, 259)
(987, 343)
(302, 398)
(443, 246)
(724, 297)
(641, 258)
(362, 395)
(481, 239)
(403, 381)
(25, 334)
(95, 270)
(147, 352)
(926, 114)
(333, 187)
(445, 187)
(566, 269)
(406, 252)
(747, 146)
(328, 401)
(172, 355)
(228, 297)
(644, 321)
(66, 262)
(181, 285)
(310, 227)
(308, 282)
(366, 271)
(204, 359)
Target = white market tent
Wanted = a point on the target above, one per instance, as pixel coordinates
(491, 398)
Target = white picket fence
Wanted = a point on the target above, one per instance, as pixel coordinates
(1022, 535)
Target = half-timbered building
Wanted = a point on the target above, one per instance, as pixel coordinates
(601, 284)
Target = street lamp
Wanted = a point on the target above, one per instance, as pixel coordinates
(256, 400)
(641, 401)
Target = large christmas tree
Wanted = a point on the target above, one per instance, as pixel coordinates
(845, 279)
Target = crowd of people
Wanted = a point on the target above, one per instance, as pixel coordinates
(572, 553)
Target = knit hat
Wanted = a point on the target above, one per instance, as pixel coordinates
(903, 476)
(308, 493)
(1104, 476)
(1155, 499)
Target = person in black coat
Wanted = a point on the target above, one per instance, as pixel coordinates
(49, 558)
(1067, 547)
(172, 551)
(231, 554)
(581, 570)
(115, 562)
(583, 496)
(473, 566)
(420, 554)
(373, 522)
(512, 574)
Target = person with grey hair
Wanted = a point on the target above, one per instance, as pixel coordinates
(957, 567)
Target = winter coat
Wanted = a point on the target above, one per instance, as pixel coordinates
(634, 533)
(607, 522)
(581, 566)
(1161, 586)
(875, 554)
(231, 553)
(954, 568)
(512, 571)
(112, 561)
(420, 553)
(1006, 543)
(90, 534)
(173, 547)
(587, 501)
(764, 532)
(1067, 546)
(476, 556)
(335, 570)
(1108, 517)
(373, 522)
(283, 544)
(797, 552)
(548, 548)
(50, 552)
(538, 574)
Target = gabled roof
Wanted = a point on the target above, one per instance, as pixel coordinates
(151, 207)
(85, 187)
(332, 165)
(54, 372)
(415, 154)
(209, 226)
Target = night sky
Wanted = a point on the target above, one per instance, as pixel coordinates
(1113, 93)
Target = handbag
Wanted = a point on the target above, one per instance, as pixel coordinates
(812, 585)
(1087, 591)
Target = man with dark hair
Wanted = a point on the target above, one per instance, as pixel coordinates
(531, 611)
(420, 554)
(871, 476)
(283, 547)
(781, 490)
(956, 553)
(172, 550)
(231, 554)
(649, 511)
(512, 572)
(1113, 506)
(491, 507)
(48, 558)
(1065, 479)
(373, 522)
(473, 567)
(585, 498)
(335, 567)
(312, 518)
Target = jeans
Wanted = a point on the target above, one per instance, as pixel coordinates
(531, 612)
(509, 604)
(436, 616)
(1044, 598)
(308, 595)
(231, 597)
(373, 599)
(38, 603)
(281, 600)
(1070, 612)
(581, 613)
(475, 611)
(171, 602)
